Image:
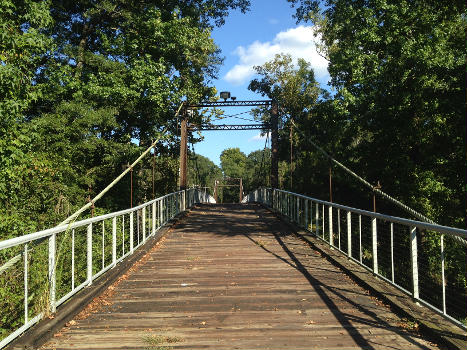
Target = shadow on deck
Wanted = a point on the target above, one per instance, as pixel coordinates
(233, 276)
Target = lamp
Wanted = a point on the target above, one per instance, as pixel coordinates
(225, 95)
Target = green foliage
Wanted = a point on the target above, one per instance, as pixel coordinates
(233, 162)
(202, 171)
(293, 88)
(85, 87)
(397, 117)
(399, 72)
(257, 170)
(296, 92)
(254, 170)
(23, 46)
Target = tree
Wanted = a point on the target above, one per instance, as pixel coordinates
(85, 86)
(28, 177)
(257, 170)
(399, 70)
(233, 162)
(296, 91)
(292, 86)
(202, 171)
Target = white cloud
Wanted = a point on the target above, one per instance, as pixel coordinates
(260, 137)
(299, 42)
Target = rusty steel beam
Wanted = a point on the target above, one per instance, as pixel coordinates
(183, 152)
(214, 127)
(274, 146)
(230, 104)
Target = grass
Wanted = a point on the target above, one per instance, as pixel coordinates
(159, 342)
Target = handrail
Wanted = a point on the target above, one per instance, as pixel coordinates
(400, 251)
(105, 240)
(421, 224)
(57, 229)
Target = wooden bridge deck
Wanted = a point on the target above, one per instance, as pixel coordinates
(235, 277)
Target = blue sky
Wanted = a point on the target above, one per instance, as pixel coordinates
(252, 39)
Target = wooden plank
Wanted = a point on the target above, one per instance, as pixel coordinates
(235, 277)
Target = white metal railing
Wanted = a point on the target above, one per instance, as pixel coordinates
(71, 257)
(424, 260)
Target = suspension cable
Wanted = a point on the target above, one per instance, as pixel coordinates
(69, 220)
(198, 177)
(262, 155)
(268, 145)
(369, 185)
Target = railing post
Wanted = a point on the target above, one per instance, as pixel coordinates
(414, 262)
(123, 235)
(323, 222)
(153, 218)
(374, 240)
(317, 219)
(114, 241)
(52, 272)
(143, 213)
(166, 209)
(298, 211)
(349, 234)
(73, 259)
(103, 245)
(276, 199)
(25, 262)
(160, 212)
(291, 216)
(285, 205)
(280, 200)
(331, 238)
(392, 251)
(305, 202)
(339, 228)
(89, 253)
(131, 233)
(443, 282)
(360, 238)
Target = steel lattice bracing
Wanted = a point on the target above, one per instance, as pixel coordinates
(227, 127)
(231, 104)
(224, 127)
